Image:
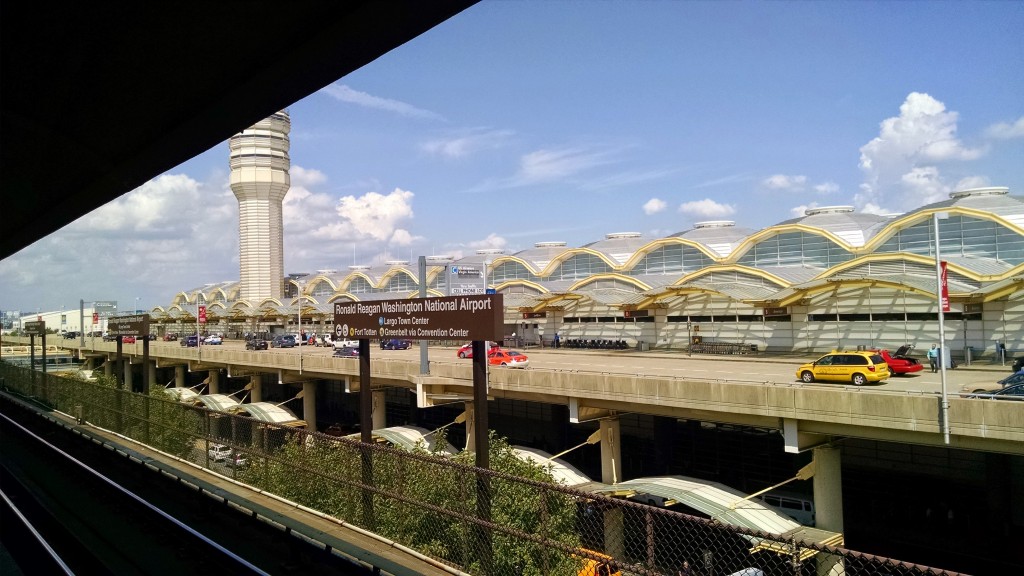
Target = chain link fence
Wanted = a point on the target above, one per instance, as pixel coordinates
(509, 520)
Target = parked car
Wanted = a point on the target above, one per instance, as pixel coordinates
(859, 367)
(978, 388)
(900, 364)
(219, 452)
(346, 352)
(283, 341)
(70, 335)
(511, 358)
(395, 344)
(170, 337)
(255, 344)
(127, 339)
(236, 460)
(324, 340)
(108, 337)
(190, 341)
(213, 339)
(1018, 364)
(466, 351)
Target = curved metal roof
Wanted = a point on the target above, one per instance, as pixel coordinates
(719, 236)
(995, 199)
(542, 254)
(564, 473)
(619, 246)
(854, 228)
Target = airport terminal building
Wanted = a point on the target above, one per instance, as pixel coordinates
(833, 278)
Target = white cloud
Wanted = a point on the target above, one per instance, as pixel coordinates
(1006, 130)
(784, 182)
(899, 165)
(491, 241)
(826, 188)
(799, 211)
(706, 208)
(306, 177)
(551, 165)
(654, 205)
(346, 94)
(972, 182)
(469, 143)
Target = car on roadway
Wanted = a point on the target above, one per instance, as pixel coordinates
(1018, 364)
(127, 339)
(1011, 392)
(283, 341)
(466, 351)
(978, 388)
(346, 352)
(857, 367)
(344, 343)
(213, 339)
(511, 358)
(900, 364)
(255, 344)
(190, 341)
(71, 334)
(395, 344)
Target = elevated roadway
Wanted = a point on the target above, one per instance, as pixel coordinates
(746, 390)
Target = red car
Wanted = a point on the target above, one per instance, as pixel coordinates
(900, 364)
(127, 339)
(467, 349)
(500, 357)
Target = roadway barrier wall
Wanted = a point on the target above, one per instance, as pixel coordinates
(508, 520)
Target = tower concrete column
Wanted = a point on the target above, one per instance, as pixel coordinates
(260, 180)
(257, 387)
(151, 368)
(108, 369)
(179, 376)
(611, 451)
(309, 404)
(214, 383)
(379, 416)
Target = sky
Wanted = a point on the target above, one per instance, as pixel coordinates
(518, 122)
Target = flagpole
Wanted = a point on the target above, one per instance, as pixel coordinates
(942, 298)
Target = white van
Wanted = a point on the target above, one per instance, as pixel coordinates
(797, 506)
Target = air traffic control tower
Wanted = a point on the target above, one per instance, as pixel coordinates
(260, 180)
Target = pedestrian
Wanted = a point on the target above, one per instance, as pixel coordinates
(557, 341)
(514, 341)
(933, 358)
(685, 569)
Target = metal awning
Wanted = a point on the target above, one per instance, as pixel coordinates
(270, 412)
(216, 402)
(409, 438)
(564, 473)
(726, 505)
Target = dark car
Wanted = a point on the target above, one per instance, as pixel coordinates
(395, 344)
(189, 341)
(346, 352)
(283, 341)
(255, 344)
(1018, 364)
(70, 335)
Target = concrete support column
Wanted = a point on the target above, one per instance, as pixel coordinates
(470, 427)
(214, 377)
(128, 375)
(151, 368)
(614, 539)
(380, 413)
(611, 451)
(257, 387)
(108, 369)
(828, 503)
(828, 488)
(660, 336)
(309, 404)
(179, 376)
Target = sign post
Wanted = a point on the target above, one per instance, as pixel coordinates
(477, 317)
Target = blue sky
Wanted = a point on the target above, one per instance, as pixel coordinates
(520, 122)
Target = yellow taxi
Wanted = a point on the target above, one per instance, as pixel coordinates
(856, 367)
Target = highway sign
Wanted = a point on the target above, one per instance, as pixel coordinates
(135, 325)
(35, 327)
(476, 317)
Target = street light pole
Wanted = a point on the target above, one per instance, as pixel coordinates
(943, 345)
